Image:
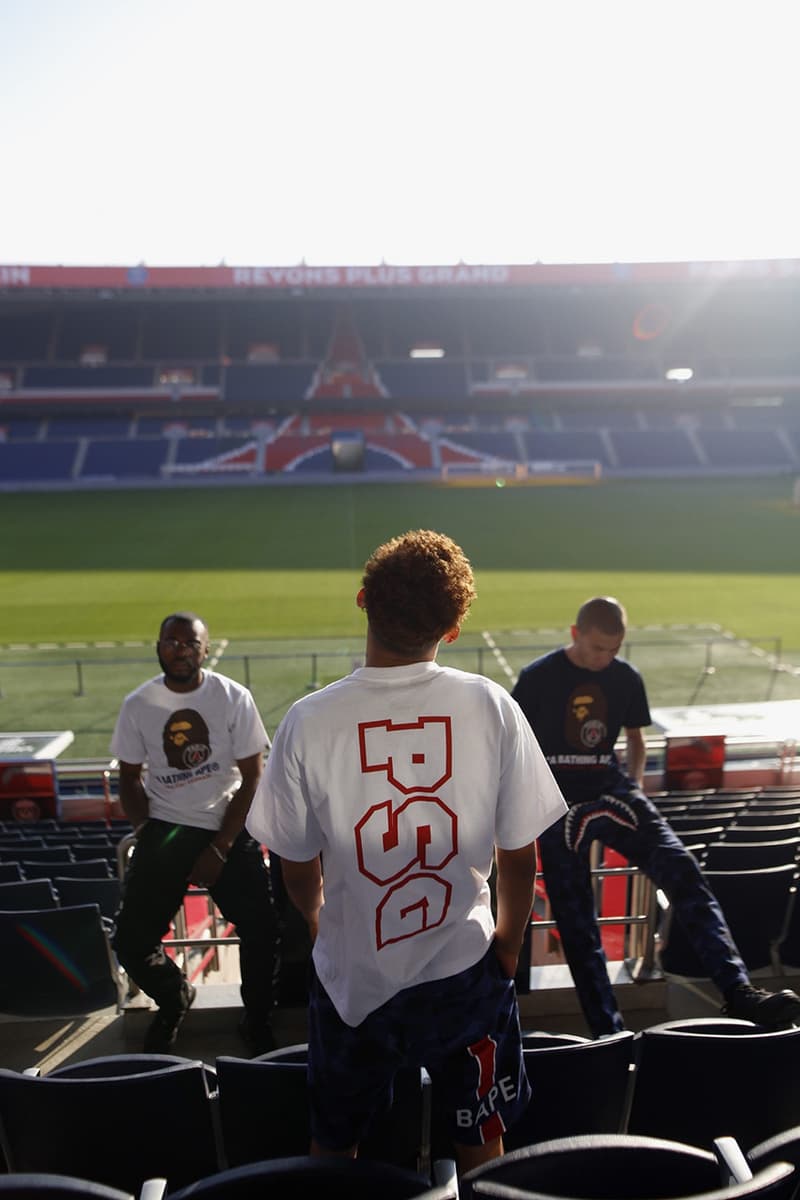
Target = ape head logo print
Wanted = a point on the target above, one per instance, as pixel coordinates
(586, 725)
(186, 740)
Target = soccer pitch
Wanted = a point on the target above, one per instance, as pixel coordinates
(707, 570)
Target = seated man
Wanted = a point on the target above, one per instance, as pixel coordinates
(577, 699)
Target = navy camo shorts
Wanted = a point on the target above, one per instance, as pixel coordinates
(464, 1030)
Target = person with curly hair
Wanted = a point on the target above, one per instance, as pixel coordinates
(387, 796)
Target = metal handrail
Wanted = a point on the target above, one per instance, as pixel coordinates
(642, 909)
(639, 919)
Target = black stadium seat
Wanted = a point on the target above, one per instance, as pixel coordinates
(105, 893)
(27, 894)
(56, 962)
(694, 1083)
(755, 903)
(119, 1130)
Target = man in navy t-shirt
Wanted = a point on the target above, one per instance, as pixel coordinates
(578, 699)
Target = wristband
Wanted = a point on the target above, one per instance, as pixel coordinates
(223, 858)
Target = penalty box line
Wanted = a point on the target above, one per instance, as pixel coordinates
(215, 655)
(499, 657)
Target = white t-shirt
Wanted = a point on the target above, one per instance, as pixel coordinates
(191, 742)
(404, 779)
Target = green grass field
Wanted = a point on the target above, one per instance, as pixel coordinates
(274, 571)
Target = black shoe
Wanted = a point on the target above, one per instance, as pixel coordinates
(771, 1010)
(259, 1039)
(163, 1032)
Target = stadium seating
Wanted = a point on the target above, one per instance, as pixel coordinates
(80, 378)
(114, 1065)
(33, 854)
(136, 446)
(121, 459)
(788, 948)
(761, 833)
(263, 1108)
(765, 814)
(555, 446)
(736, 448)
(645, 450)
(755, 903)
(597, 1167)
(101, 426)
(782, 1147)
(689, 822)
(17, 841)
(91, 868)
(577, 1088)
(118, 1130)
(105, 893)
(57, 962)
(556, 361)
(35, 1185)
(28, 894)
(694, 1083)
(306, 1178)
(735, 856)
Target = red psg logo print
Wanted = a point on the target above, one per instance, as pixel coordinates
(405, 841)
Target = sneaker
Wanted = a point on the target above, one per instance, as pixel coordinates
(772, 1010)
(259, 1039)
(163, 1032)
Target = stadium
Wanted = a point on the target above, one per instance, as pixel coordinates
(236, 440)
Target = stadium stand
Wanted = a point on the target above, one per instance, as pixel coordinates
(569, 366)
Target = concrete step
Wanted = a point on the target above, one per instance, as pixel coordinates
(551, 1001)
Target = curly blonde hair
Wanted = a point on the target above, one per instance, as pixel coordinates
(417, 587)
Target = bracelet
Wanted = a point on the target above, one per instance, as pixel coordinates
(223, 858)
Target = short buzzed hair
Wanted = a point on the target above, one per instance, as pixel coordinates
(604, 613)
(417, 587)
(188, 617)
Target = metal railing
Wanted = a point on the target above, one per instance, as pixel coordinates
(639, 920)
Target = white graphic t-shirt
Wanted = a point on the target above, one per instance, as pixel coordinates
(404, 779)
(190, 743)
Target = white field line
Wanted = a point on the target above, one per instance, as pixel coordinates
(217, 654)
(500, 658)
(742, 643)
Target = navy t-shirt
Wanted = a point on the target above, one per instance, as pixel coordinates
(577, 716)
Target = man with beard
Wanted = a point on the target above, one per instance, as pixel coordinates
(577, 700)
(191, 744)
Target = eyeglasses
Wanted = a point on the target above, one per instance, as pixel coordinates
(177, 644)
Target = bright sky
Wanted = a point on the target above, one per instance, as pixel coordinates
(266, 132)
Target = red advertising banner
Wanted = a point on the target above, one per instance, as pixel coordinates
(460, 275)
